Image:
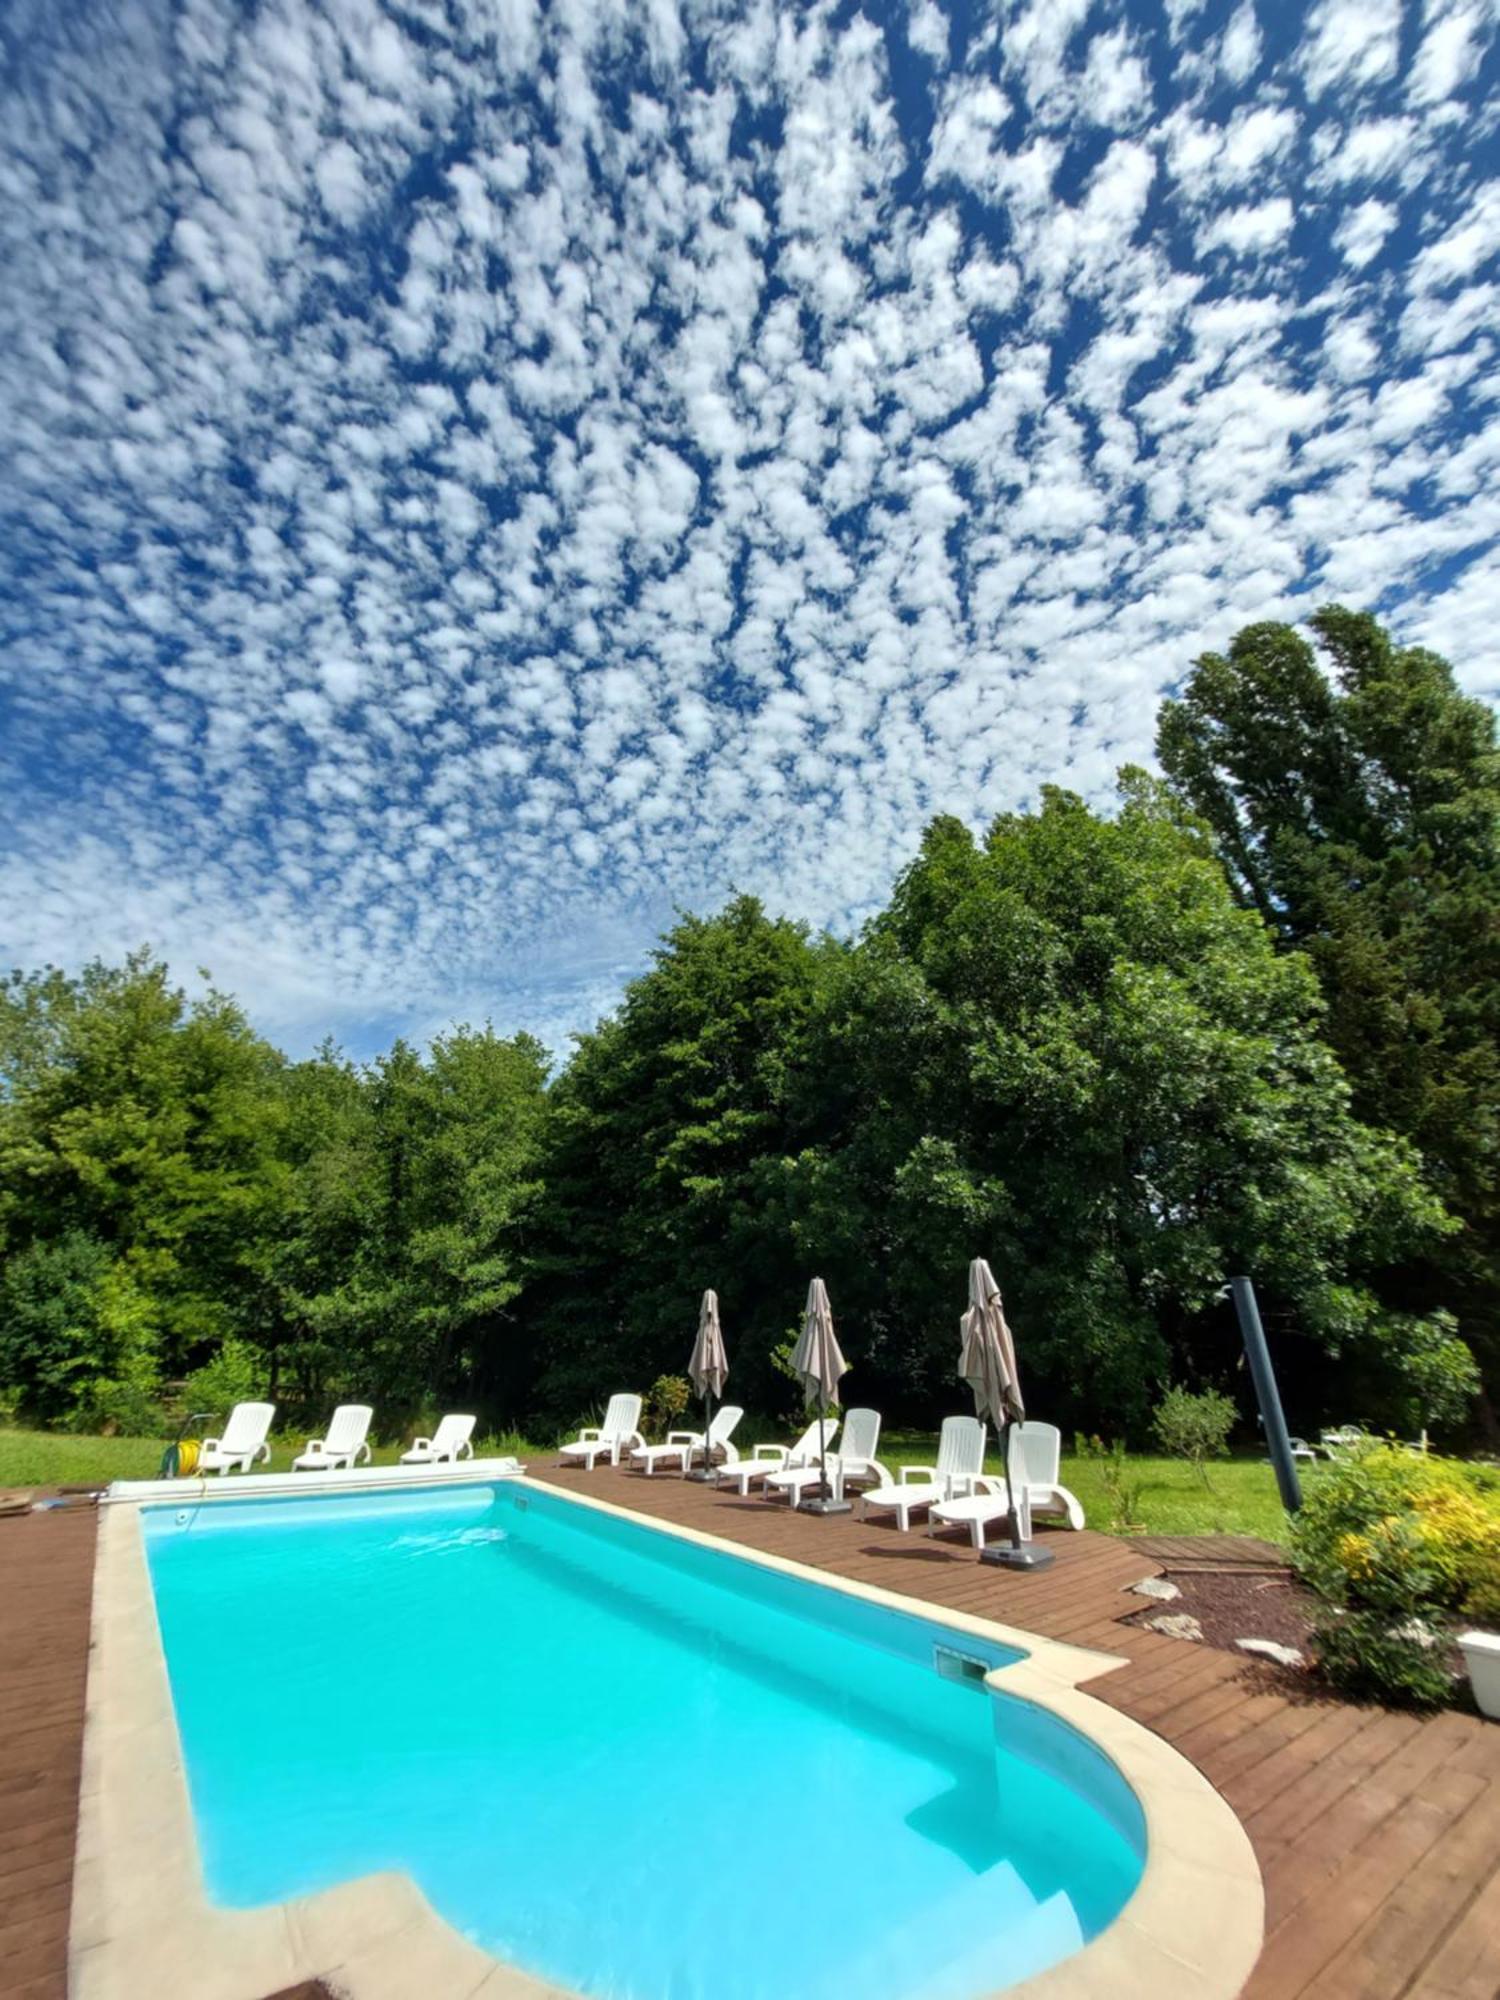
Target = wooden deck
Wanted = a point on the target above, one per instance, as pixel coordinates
(1378, 1834)
(46, 1588)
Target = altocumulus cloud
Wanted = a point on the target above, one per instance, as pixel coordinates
(476, 476)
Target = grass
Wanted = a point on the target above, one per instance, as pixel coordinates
(1241, 1497)
(58, 1458)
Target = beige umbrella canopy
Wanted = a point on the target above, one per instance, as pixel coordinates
(987, 1357)
(709, 1367)
(819, 1362)
(816, 1357)
(987, 1362)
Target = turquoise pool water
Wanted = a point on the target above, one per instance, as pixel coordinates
(642, 1769)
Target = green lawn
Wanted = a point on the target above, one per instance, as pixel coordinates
(56, 1458)
(1240, 1499)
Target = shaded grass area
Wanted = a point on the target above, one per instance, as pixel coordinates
(1241, 1497)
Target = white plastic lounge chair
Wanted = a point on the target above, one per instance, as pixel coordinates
(620, 1431)
(854, 1459)
(1035, 1468)
(960, 1466)
(449, 1441)
(243, 1442)
(768, 1458)
(1346, 1438)
(682, 1447)
(345, 1442)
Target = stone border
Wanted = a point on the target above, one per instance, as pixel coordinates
(141, 1922)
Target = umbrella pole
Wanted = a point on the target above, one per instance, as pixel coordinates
(827, 1504)
(707, 1477)
(1020, 1555)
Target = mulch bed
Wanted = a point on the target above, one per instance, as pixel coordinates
(1238, 1603)
(1231, 1604)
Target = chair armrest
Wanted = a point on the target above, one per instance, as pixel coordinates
(684, 1437)
(421, 1444)
(466, 1446)
(590, 1434)
(922, 1472)
(369, 1455)
(316, 1444)
(770, 1454)
(211, 1444)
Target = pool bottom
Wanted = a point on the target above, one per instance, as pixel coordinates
(138, 1898)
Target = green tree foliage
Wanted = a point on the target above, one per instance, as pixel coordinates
(658, 1129)
(402, 1248)
(137, 1163)
(1356, 810)
(1071, 1046)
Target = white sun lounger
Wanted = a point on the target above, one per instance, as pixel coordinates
(682, 1447)
(854, 1459)
(344, 1443)
(1035, 1467)
(620, 1431)
(450, 1440)
(768, 1458)
(960, 1465)
(243, 1442)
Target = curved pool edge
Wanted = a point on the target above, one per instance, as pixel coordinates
(1191, 1931)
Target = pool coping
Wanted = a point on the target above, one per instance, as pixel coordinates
(1192, 1930)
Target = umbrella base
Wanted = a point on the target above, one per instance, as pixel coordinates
(826, 1507)
(1004, 1556)
(704, 1478)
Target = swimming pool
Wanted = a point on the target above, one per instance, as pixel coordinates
(625, 1762)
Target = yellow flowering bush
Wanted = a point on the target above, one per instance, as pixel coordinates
(1395, 1542)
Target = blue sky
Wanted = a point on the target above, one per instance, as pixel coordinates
(474, 478)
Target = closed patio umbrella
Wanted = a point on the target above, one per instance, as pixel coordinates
(709, 1371)
(817, 1360)
(987, 1362)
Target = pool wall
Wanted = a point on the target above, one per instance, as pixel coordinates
(1192, 1930)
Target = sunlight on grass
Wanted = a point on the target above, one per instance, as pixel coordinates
(1241, 1498)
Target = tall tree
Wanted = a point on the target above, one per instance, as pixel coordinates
(1357, 808)
(656, 1131)
(137, 1162)
(1069, 1050)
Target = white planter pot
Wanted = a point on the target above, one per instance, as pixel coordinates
(1482, 1658)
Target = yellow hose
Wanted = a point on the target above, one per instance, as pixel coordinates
(187, 1458)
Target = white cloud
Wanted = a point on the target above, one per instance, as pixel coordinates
(474, 489)
(1363, 230)
(1247, 231)
(1351, 44)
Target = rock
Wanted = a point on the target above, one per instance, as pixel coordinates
(1156, 1586)
(1419, 1632)
(1177, 1625)
(1271, 1649)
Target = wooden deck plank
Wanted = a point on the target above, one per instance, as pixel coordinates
(46, 1585)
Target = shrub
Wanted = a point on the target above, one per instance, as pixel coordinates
(237, 1374)
(667, 1399)
(1483, 1603)
(1367, 1660)
(1394, 1541)
(1122, 1488)
(1194, 1427)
